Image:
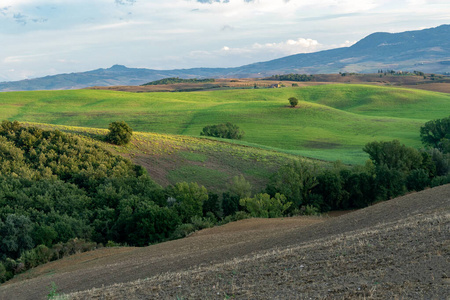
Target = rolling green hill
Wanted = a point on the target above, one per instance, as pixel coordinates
(331, 122)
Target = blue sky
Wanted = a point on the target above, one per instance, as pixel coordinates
(46, 37)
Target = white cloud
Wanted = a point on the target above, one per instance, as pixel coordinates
(51, 35)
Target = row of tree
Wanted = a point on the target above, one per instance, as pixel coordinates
(291, 77)
(173, 80)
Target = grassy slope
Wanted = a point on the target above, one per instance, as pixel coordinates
(331, 122)
(173, 158)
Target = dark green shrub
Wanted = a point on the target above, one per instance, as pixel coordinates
(264, 206)
(440, 180)
(183, 230)
(37, 256)
(436, 132)
(226, 131)
(293, 101)
(417, 180)
(230, 204)
(119, 133)
(2, 273)
(212, 205)
(390, 182)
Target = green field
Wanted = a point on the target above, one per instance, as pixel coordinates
(331, 122)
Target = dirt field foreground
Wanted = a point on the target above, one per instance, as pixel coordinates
(399, 249)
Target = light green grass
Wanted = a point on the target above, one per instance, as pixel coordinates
(191, 156)
(204, 175)
(331, 122)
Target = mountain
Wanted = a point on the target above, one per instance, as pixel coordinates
(425, 50)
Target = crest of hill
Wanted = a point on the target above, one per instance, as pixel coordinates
(425, 50)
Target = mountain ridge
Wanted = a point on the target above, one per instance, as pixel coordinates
(426, 50)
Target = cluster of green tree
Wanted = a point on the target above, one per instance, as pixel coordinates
(226, 131)
(404, 73)
(291, 77)
(57, 188)
(178, 80)
(61, 194)
(436, 134)
(393, 169)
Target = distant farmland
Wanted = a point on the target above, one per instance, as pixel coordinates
(331, 122)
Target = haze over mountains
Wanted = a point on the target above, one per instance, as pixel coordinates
(425, 50)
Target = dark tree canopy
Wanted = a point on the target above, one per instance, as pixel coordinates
(119, 133)
(394, 155)
(227, 131)
(293, 101)
(172, 80)
(436, 133)
(291, 77)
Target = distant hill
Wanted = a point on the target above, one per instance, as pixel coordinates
(425, 50)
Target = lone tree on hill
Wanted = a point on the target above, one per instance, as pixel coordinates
(293, 101)
(119, 133)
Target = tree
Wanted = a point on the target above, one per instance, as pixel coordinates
(293, 101)
(264, 206)
(227, 131)
(119, 133)
(240, 187)
(394, 155)
(436, 133)
(15, 235)
(295, 181)
(188, 199)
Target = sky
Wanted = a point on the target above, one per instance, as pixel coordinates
(47, 37)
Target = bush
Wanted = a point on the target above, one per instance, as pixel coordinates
(263, 206)
(2, 273)
(212, 205)
(226, 131)
(230, 204)
(310, 210)
(183, 230)
(188, 199)
(240, 187)
(293, 101)
(440, 180)
(119, 133)
(417, 180)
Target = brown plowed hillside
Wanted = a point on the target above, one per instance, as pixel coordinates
(399, 249)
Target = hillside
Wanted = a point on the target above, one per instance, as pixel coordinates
(331, 122)
(394, 249)
(170, 159)
(425, 50)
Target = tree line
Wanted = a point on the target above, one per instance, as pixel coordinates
(291, 77)
(173, 80)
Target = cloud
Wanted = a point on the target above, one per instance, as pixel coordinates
(21, 19)
(289, 47)
(213, 1)
(125, 2)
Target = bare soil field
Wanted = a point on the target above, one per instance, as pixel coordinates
(217, 84)
(442, 87)
(398, 249)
